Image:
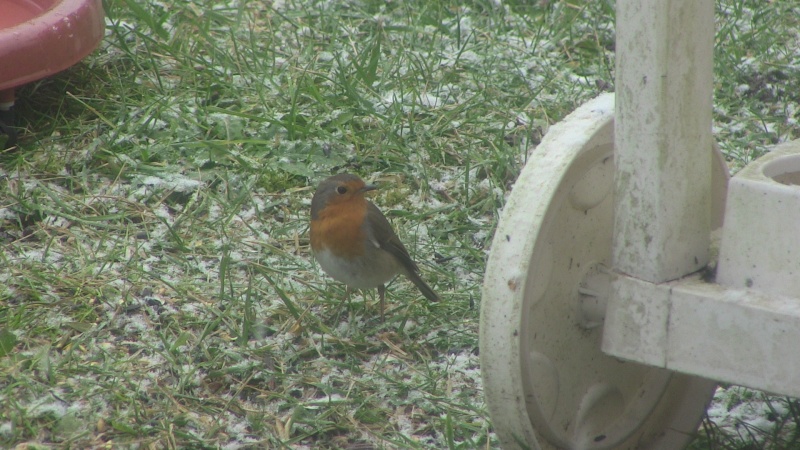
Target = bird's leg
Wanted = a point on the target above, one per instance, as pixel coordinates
(382, 295)
(347, 291)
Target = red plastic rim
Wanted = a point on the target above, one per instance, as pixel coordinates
(41, 37)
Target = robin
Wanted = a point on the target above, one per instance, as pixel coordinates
(354, 243)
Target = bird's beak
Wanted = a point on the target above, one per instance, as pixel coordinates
(368, 187)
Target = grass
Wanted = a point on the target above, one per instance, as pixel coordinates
(755, 87)
(157, 288)
(740, 418)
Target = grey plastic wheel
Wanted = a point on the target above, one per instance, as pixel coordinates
(547, 383)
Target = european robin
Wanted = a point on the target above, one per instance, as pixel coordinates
(354, 243)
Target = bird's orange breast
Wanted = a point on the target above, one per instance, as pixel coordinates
(338, 228)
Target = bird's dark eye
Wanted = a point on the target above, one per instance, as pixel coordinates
(341, 189)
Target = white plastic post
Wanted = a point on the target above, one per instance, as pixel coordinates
(737, 331)
(663, 136)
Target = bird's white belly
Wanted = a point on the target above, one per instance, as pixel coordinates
(355, 272)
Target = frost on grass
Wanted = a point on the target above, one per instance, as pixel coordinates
(754, 418)
(156, 270)
(138, 318)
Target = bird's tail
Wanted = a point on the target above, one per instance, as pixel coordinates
(423, 286)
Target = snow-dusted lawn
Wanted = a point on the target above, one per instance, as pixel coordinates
(156, 286)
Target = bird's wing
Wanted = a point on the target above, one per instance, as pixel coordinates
(384, 237)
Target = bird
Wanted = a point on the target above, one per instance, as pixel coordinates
(354, 243)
